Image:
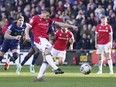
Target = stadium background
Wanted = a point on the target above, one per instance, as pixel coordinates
(82, 13)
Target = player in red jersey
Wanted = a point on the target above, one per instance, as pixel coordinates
(40, 25)
(103, 43)
(59, 47)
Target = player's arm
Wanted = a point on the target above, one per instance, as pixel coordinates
(29, 25)
(9, 36)
(61, 24)
(96, 40)
(96, 37)
(27, 29)
(111, 36)
(71, 40)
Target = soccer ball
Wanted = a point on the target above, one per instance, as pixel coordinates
(85, 68)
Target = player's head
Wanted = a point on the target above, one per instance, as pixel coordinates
(103, 19)
(45, 14)
(20, 20)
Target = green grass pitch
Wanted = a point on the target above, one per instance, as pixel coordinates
(71, 78)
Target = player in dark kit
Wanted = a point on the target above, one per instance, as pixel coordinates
(33, 51)
(12, 39)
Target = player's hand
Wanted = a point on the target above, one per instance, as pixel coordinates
(18, 37)
(71, 47)
(27, 38)
(110, 46)
(96, 46)
(25, 42)
(74, 27)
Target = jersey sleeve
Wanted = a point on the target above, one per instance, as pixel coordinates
(10, 28)
(70, 34)
(57, 33)
(32, 22)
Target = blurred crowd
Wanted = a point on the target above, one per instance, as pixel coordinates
(82, 13)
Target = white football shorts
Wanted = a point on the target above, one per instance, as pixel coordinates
(103, 48)
(58, 53)
(44, 43)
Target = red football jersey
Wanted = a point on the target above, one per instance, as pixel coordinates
(103, 33)
(40, 27)
(62, 40)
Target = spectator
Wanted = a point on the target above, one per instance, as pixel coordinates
(84, 42)
(91, 2)
(114, 6)
(99, 11)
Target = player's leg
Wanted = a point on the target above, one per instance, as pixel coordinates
(61, 56)
(45, 46)
(30, 53)
(54, 54)
(15, 54)
(32, 70)
(12, 58)
(15, 49)
(4, 49)
(100, 63)
(1, 55)
(110, 62)
(108, 56)
(100, 51)
(50, 61)
(48, 58)
(42, 70)
(44, 66)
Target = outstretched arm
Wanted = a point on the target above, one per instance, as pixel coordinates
(66, 25)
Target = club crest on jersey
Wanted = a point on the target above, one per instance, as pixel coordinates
(106, 28)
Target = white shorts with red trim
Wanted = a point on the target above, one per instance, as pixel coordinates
(43, 44)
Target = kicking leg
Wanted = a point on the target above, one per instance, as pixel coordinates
(50, 61)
